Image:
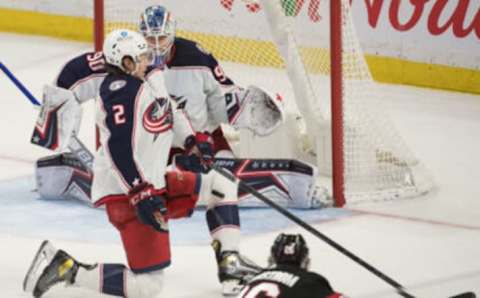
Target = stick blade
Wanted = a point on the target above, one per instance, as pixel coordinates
(465, 295)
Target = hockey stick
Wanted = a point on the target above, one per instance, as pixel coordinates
(19, 85)
(465, 295)
(245, 187)
(75, 146)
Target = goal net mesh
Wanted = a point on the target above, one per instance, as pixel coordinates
(286, 49)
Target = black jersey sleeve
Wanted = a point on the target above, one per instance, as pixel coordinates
(187, 53)
(80, 68)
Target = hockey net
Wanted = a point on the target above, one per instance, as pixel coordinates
(288, 46)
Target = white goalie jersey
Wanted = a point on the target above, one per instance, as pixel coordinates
(195, 80)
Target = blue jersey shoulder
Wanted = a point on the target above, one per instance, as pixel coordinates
(81, 67)
(188, 53)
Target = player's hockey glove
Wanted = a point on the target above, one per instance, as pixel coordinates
(150, 205)
(201, 145)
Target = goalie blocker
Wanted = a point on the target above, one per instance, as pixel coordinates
(58, 120)
(290, 183)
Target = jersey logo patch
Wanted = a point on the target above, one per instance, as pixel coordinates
(116, 85)
(180, 100)
(158, 116)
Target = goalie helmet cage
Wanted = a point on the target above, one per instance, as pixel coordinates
(307, 51)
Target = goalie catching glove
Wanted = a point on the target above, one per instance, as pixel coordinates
(255, 109)
(150, 205)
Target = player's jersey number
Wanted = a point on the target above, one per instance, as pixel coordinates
(96, 61)
(219, 74)
(118, 114)
(264, 289)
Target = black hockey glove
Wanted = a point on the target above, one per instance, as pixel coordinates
(150, 205)
(201, 145)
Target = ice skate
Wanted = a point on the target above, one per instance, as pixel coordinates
(43, 257)
(57, 266)
(62, 268)
(234, 270)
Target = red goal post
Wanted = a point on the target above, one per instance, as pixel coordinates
(98, 19)
(310, 53)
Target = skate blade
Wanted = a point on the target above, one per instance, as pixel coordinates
(231, 288)
(42, 258)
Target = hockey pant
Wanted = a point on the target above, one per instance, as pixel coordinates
(147, 250)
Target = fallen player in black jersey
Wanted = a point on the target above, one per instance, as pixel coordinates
(288, 275)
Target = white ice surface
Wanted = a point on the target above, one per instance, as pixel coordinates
(431, 245)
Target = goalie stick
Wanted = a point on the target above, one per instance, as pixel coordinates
(247, 188)
(19, 85)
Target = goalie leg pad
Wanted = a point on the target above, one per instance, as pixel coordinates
(62, 176)
(287, 182)
(146, 249)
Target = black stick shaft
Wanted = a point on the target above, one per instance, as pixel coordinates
(245, 187)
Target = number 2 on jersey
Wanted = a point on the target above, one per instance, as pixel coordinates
(118, 114)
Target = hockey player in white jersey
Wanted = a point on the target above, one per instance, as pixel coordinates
(77, 82)
(138, 123)
(196, 81)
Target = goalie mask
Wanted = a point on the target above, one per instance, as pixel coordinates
(289, 249)
(124, 43)
(158, 27)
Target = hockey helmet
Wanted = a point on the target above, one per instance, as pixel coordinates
(124, 43)
(158, 26)
(290, 249)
